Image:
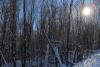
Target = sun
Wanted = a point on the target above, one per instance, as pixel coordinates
(86, 11)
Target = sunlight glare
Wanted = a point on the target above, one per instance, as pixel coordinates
(86, 11)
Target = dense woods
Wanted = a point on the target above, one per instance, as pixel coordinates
(46, 33)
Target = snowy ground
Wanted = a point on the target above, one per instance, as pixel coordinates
(91, 61)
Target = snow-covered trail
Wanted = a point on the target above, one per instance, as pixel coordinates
(91, 61)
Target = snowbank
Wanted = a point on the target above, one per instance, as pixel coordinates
(92, 61)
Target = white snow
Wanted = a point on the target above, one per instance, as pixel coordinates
(92, 61)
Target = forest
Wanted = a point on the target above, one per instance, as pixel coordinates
(48, 33)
